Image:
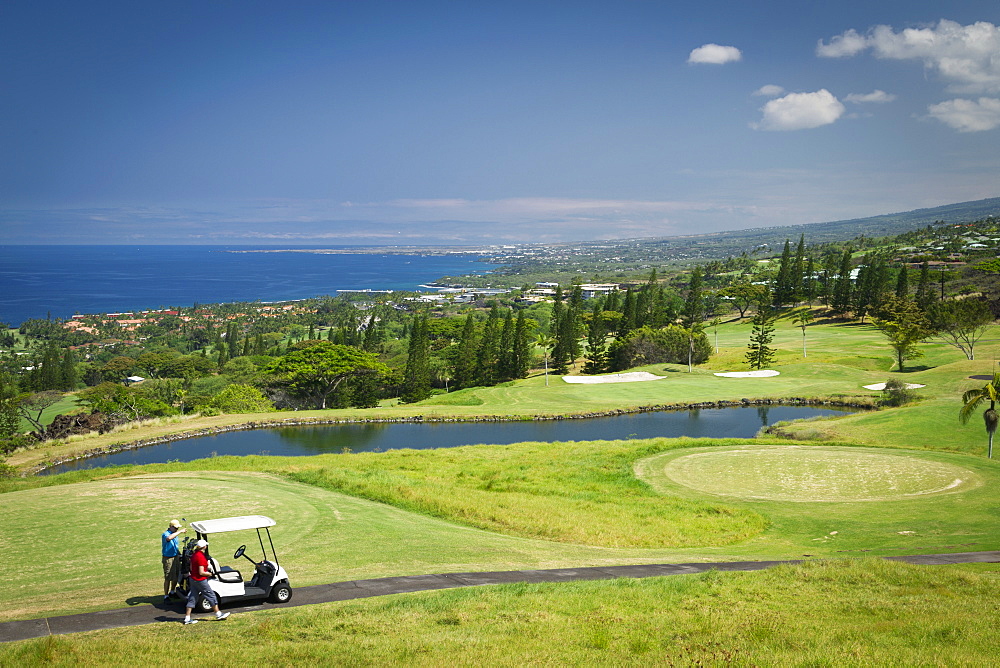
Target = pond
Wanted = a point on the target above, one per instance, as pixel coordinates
(738, 422)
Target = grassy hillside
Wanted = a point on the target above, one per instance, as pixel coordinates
(866, 612)
(926, 488)
(484, 508)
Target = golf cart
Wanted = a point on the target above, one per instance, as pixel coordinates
(269, 580)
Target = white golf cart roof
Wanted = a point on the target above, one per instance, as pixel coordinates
(233, 524)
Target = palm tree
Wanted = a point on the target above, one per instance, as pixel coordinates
(545, 342)
(716, 321)
(973, 398)
(803, 317)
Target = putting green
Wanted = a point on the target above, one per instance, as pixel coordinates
(803, 473)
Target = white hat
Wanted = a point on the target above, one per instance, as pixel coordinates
(175, 524)
(201, 543)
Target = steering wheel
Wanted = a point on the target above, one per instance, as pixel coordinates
(239, 551)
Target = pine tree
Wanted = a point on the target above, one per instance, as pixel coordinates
(558, 308)
(373, 334)
(50, 373)
(784, 284)
(902, 283)
(871, 284)
(564, 352)
(506, 362)
(576, 296)
(759, 353)
(627, 323)
(925, 293)
(657, 307)
(799, 269)
(809, 282)
(417, 374)
(67, 371)
(613, 302)
(521, 353)
(488, 354)
(464, 369)
(10, 417)
(232, 340)
(574, 311)
(841, 300)
(694, 305)
(644, 306)
(597, 343)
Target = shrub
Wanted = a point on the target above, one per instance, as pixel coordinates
(895, 393)
(239, 398)
(652, 346)
(15, 442)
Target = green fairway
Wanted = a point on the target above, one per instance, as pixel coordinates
(102, 536)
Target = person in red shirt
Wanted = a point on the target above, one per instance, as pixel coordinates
(198, 584)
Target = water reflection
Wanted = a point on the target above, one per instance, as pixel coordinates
(762, 414)
(340, 438)
(742, 422)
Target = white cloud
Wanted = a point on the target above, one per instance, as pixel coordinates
(875, 97)
(800, 111)
(968, 57)
(714, 54)
(968, 115)
(770, 90)
(846, 44)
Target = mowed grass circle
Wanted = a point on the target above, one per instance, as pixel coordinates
(811, 474)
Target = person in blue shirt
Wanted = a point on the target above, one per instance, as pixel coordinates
(171, 558)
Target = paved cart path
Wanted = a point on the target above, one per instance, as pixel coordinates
(344, 591)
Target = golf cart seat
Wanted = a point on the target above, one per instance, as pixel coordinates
(227, 574)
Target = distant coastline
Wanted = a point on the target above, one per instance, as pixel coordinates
(60, 281)
(477, 251)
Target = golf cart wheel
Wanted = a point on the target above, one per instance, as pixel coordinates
(203, 605)
(282, 593)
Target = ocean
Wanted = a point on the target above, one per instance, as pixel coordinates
(58, 281)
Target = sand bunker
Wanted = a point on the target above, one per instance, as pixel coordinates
(881, 386)
(634, 377)
(748, 374)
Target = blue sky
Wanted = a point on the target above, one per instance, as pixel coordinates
(371, 122)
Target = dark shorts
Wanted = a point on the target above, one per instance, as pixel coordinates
(200, 587)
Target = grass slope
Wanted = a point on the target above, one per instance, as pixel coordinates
(551, 505)
(463, 509)
(817, 614)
